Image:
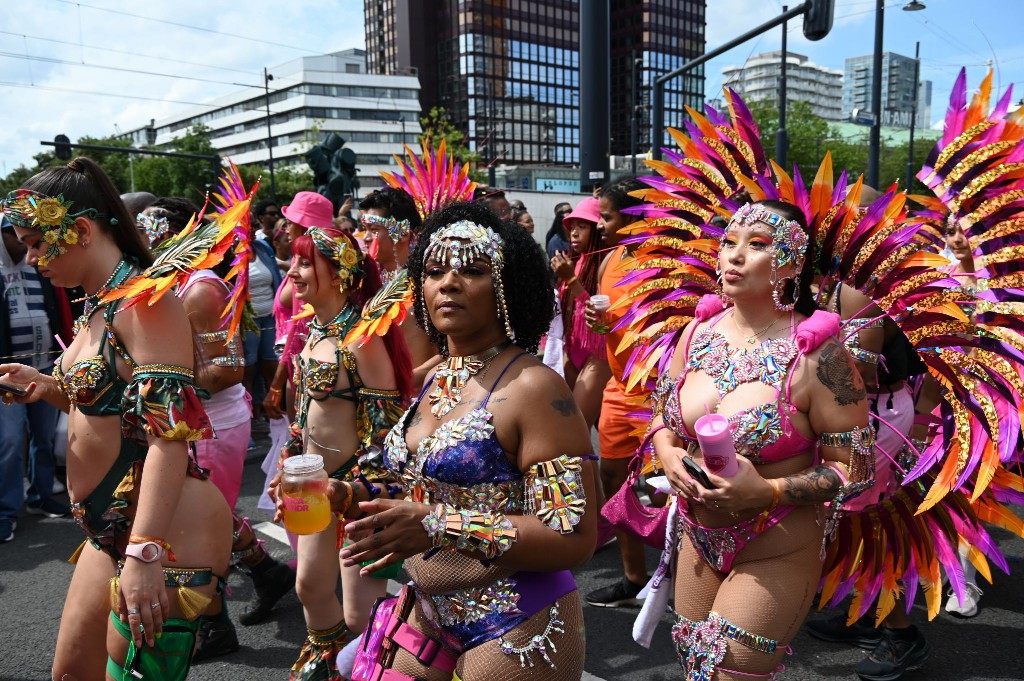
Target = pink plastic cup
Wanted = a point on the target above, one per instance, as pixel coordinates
(715, 438)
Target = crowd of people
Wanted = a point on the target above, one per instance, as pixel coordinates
(769, 364)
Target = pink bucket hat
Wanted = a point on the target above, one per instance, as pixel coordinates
(310, 209)
(588, 209)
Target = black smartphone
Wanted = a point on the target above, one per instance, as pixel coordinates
(14, 390)
(697, 473)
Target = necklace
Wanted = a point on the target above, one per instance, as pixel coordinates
(92, 303)
(754, 337)
(337, 327)
(453, 374)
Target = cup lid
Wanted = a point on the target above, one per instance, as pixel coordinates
(303, 464)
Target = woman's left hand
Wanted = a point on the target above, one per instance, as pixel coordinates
(743, 491)
(395, 530)
(142, 600)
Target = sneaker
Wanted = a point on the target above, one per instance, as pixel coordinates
(619, 594)
(252, 445)
(969, 608)
(833, 629)
(7, 527)
(49, 508)
(216, 637)
(894, 655)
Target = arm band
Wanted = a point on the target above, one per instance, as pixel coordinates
(554, 493)
(161, 401)
(862, 473)
(486, 532)
(234, 358)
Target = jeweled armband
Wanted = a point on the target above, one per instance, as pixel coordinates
(554, 493)
(489, 533)
(861, 441)
(161, 401)
(235, 356)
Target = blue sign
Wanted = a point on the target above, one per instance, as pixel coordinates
(557, 185)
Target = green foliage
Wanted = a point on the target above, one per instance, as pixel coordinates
(290, 180)
(185, 177)
(810, 136)
(437, 126)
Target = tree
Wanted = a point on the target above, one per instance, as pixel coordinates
(437, 127)
(185, 177)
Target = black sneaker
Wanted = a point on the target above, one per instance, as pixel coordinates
(894, 655)
(49, 508)
(619, 594)
(7, 527)
(216, 637)
(861, 633)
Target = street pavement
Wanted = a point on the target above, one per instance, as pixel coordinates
(34, 575)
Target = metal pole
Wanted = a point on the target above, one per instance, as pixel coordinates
(658, 88)
(595, 66)
(270, 140)
(131, 172)
(634, 95)
(781, 137)
(874, 142)
(913, 114)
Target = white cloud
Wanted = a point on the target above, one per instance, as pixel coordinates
(37, 103)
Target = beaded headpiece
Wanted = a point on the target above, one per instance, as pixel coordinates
(50, 214)
(789, 243)
(155, 226)
(396, 228)
(339, 251)
(463, 243)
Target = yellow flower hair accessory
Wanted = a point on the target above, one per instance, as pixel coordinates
(49, 214)
(340, 251)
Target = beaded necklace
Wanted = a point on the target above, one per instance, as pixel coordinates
(92, 303)
(337, 327)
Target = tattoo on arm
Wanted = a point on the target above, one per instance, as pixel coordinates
(838, 375)
(416, 418)
(564, 406)
(811, 487)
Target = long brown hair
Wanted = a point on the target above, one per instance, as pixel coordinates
(84, 183)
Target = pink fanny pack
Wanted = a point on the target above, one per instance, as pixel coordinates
(388, 631)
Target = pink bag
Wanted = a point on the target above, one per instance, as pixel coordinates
(387, 632)
(625, 512)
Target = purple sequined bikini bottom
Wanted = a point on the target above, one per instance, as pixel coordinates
(719, 546)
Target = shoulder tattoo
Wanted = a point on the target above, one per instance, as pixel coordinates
(564, 406)
(836, 372)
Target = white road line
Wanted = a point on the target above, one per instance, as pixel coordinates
(277, 533)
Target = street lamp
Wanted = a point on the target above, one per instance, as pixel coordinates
(267, 77)
(876, 88)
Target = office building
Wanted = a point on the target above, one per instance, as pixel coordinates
(758, 80)
(898, 92)
(308, 97)
(508, 71)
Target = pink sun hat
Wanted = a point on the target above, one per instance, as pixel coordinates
(588, 209)
(310, 209)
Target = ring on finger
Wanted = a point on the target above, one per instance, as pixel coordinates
(154, 606)
(133, 612)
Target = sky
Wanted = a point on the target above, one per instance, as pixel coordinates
(90, 67)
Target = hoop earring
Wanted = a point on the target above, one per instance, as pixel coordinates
(778, 288)
(726, 300)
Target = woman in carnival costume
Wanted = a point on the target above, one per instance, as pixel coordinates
(870, 251)
(493, 459)
(349, 396)
(159, 533)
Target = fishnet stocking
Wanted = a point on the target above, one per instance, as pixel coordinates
(486, 661)
(768, 592)
(449, 571)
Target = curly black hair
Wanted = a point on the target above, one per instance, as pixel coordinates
(528, 296)
(396, 202)
(177, 210)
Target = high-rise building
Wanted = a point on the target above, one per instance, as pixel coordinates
(308, 97)
(508, 71)
(758, 80)
(898, 76)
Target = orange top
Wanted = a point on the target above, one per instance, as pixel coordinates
(613, 272)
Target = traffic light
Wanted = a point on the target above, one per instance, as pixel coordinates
(334, 168)
(818, 19)
(62, 147)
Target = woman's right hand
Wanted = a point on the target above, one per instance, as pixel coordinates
(20, 376)
(592, 317)
(562, 266)
(272, 404)
(671, 459)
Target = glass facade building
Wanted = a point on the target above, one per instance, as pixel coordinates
(897, 89)
(508, 71)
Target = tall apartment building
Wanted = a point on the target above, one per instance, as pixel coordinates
(329, 93)
(758, 80)
(508, 71)
(898, 74)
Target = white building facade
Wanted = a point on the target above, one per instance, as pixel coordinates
(375, 115)
(758, 80)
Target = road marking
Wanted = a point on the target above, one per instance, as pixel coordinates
(277, 533)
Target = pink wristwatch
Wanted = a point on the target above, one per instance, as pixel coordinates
(147, 552)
